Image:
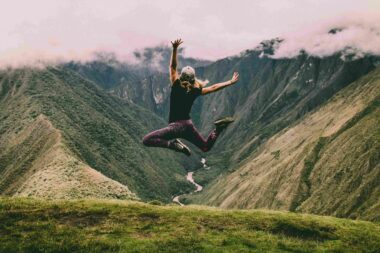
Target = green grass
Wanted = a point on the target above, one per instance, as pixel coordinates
(31, 225)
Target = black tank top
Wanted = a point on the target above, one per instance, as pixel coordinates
(181, 101)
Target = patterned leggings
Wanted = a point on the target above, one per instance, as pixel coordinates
(184, 129)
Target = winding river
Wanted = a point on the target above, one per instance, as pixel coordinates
(189, 177)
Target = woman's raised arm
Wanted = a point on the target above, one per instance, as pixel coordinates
(173, 60)
(220, 86)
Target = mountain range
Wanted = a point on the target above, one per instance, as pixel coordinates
(305, 136)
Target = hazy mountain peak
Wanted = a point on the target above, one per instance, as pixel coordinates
(335, 30)
(157, 58)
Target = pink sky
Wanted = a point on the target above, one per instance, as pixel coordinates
(49, 30)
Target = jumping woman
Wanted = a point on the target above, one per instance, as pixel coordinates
(185, 88)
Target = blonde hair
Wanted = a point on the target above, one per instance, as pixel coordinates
(201, 83)
(198, 83)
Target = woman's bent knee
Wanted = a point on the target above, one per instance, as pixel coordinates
(145, 140)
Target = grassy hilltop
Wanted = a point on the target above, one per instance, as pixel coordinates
(31, 225)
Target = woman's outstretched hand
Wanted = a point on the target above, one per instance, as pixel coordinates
(235, 78)
(176, 43)
(219, 86)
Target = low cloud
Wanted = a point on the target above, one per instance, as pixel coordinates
(43, 32)
(357, 36)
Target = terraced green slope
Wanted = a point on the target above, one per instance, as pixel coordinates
(328, 162)
(29, 225)
(54, 118)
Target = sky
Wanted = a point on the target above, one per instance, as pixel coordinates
(49, 30)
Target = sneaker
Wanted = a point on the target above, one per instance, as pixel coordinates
(223, 123)
(179, 146)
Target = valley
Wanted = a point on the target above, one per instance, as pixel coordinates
(189, 177)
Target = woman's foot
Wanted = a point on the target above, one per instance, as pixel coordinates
(179, 146)
(221, 124)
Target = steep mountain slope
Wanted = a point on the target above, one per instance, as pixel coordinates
(150, 92)
(271, 94)
(53, 118)
(30, 225)
(107, 72)
(327, 163)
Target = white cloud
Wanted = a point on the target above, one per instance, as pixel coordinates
(45, 30)
(359, 35)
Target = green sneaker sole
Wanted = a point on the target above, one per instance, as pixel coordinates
(224, 121)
